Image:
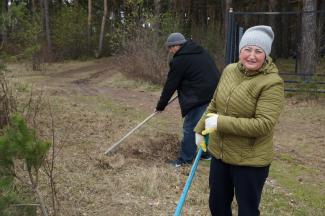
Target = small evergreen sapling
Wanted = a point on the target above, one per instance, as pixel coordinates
(20, 144)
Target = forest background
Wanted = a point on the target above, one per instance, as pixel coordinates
(76, 75)
(58, 30)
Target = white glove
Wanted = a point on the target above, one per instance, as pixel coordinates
(200, 142)
(198, 139)
(211, 123)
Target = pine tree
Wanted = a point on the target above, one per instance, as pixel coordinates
(20, 144)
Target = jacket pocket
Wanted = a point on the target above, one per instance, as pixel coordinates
(238, 148)
(248, 151)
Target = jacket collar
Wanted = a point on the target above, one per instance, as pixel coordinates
(267, 68)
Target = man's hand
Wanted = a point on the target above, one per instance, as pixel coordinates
(200, 142)
(210, 123)
(160, 107)
(157, 111)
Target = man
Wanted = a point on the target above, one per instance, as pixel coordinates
(194, 75)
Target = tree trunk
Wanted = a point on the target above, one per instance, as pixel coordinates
(227, 6)
(274, 21)
(199, 19)
(284, 36)
(186, 12)
(4, 11)
(321, 32)
(156, 24)
(89, 23)
(193, 12)
(33, 6)
(262, 5)
(307, 57)
(157, 17)
(102, 31)
(47, 28)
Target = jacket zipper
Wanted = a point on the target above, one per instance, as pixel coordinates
(226, 109)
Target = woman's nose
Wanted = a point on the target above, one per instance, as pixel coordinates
(252, 54)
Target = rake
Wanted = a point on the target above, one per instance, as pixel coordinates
(135, 128)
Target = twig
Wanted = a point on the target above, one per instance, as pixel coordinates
(53, 188)
(36, 191)
(32, 204)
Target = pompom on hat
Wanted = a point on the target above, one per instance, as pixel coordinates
(261, 36)
(175, 38)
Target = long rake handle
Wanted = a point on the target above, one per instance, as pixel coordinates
(128, 134)
(134, 129)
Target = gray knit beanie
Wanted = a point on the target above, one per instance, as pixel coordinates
(261, 36)
(175, 38)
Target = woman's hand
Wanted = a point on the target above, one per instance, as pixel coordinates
(200, 142)
(211, 123)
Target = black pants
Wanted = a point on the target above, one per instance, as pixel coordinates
(243, 181)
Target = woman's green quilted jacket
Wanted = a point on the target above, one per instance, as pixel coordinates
(249, 107)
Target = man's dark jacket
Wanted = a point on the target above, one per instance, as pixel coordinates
(193, 74)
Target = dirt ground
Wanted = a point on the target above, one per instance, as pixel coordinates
(92, 110)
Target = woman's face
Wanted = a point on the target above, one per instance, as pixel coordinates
(252, 57)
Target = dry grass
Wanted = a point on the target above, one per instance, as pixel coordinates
(136, 178)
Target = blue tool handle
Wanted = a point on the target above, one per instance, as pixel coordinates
(188, 184)
(181, 201)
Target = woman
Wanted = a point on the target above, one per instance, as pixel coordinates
(240, 120)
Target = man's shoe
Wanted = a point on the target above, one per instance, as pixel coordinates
(179, 162)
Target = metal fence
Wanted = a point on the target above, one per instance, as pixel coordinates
(294, 82)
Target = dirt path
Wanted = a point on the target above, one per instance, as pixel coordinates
(95, 79)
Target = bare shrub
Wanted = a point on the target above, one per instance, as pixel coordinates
(144, 60)
(7, 102)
